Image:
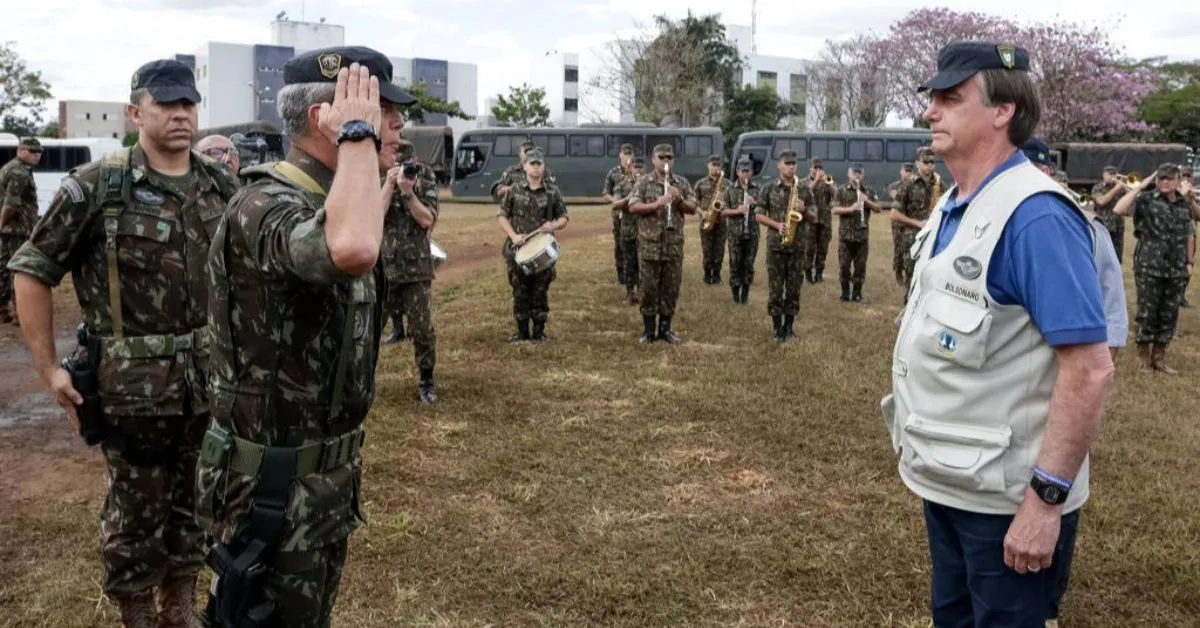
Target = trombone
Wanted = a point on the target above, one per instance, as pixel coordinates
(1132, 181)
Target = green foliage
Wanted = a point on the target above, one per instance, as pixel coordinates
(751, 109)
(1174, 109)
(428, 103)
(22, 93)
(130, 139)
(524, 106)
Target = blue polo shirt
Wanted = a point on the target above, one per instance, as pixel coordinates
(1043, 262)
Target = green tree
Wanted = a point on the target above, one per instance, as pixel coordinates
(524, 106)
(751, 109)
(51, 129)
(1173, 110)
(686, 71)
(130, 139)
(22, 93)
(428, 103)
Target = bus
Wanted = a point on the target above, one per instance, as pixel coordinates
(59, 157)
(578, 156)
(434, 147)
(256, 142)
(880, 151)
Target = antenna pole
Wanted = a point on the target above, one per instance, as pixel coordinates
(754, 27)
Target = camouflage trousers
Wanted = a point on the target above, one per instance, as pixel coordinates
(619, 250)
(852, 260)
(8, 245)
(1158, 300)
(816, 248)
(712, 246)
(903, 239)
(411, 300)
(785, 276)
(148, 530)
(660, 281)
(1118, 239)
(305, 584)
(531, 293)
(742, 253)
(629, 250)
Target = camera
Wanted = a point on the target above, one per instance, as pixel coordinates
(410, 171)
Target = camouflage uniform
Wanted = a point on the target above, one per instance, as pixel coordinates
(154, 355)
(743, 235)
(408, 266)
(712, 242)
(660, 250)
(915, 201)
(1114, 223)
(1160, 270)
(820, 232)
(515, 174)
(627, 234)
(295, 345)
(611, 181)
(854, 240)
(528, 209)
(893, 190)
(18, 192)
(785, 264)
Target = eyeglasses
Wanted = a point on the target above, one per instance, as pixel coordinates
(928, 162)
(666, 157)
(789, 163)
(217, 153)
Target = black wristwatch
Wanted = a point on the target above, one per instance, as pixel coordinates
(1052, 494)
(357, 131)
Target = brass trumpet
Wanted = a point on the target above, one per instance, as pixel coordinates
(1133, 181)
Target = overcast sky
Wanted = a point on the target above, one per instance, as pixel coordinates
(88, 49)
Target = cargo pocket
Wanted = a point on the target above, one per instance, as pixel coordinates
(969, 457)
(136, 383)
(321, 507)
(955, 330)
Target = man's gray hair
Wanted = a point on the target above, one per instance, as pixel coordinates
(1018, 88)
(293, 102)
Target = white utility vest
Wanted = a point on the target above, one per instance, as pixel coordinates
(971, 379)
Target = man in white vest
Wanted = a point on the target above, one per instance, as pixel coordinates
(1001, 366)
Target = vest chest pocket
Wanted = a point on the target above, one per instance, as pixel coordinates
(143, 240)
(966, 456)
(955, 330)
(362, 306)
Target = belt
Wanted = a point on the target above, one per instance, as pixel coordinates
(318, 457)
(154, 345)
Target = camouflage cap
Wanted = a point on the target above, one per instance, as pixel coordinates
(1111, 170)
(925, 154)
(665, 150)
(626, 149)
(817, 163)
(716, 159)
(1185, 171)
(534, 156)
(908, 165)
(639, 161)
(1167, 171)
(856, 167)
(322, 66)
(745, 164)
(788, 156)
(527, 144)
(167, 80)
(31, 144)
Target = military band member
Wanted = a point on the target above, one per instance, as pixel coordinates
(516, 172)
(407, 261)
(622, 191)
(530, 207)
(741, 229)
(134, 229)
(18, 213)
(906, 173)
(615, 176)
(913, 206)
(660, 206)
(1187, 187)
(855, 204)
(712, 241)
(785, 262)
(820, 233)
(893, 189)
(1105, 194)
(1163, 223)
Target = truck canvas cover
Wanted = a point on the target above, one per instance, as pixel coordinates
(1085, 162)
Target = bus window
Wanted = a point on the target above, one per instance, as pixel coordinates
(587, 146)
(615, 141)
(469, 160)
(655, 140)
(900, 151)
(697, 146)
(866, 150)
(830, 150)
(555, 146)
(757, 156)
(508, 145)
(798, 144)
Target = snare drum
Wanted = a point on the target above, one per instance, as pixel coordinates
(538, 254)
(437, 253)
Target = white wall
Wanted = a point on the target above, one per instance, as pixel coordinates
(224, 74)
(90, 118)
(462, 84)
(305, 36)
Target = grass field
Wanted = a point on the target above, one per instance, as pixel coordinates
(729, 481)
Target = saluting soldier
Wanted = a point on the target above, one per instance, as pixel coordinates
(1163, 223)
(1105, 195)
(820, 232)
(785, 261)
(622, 193)
(615, 176)
(855, 203)
(712, 241)
(741, 229)
(532, 206)
(18, 213)
(133, 229)
(660, 205)
(408, 263)
(912, 209)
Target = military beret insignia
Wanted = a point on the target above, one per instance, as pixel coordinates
(329, 64)
(1008, 55)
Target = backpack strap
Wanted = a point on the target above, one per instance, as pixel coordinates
(112, 194)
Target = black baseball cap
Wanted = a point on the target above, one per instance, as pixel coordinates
(1037, 152)
(960, 60)
(322, 65)
(167, 80)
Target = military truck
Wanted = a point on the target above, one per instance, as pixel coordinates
(434, 147)
(1084, 162)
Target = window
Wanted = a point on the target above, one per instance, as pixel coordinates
(508, 145)
(469, 160)
(587, 146)
(798, 144)
(757, 155)
(866, 150)
(697, 146)
(571, 75)
(104, 116)
(767, 78)
(570, 104)
(551, 145)
(901, 151)
(114, 136)
(87, 116)
(829, 150)
(615, 141)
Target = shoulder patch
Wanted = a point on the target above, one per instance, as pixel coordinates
(73, 189)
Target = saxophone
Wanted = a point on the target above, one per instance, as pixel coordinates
(794, 216)
(714, 209)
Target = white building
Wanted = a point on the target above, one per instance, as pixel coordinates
(238, 82)
(558, 75)
(92, 118)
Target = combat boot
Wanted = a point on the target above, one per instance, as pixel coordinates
(737, 293)
(648, 335)
(819, 275)
(177, 603)
(745, 292)
(539, 332)
(845, 292)
(788, 319)
(522, 332)
(777, 323)
(427, 389)
(1158, 356)
(1145, 365)
(397, 331)
(137, 609)
(808, 276)
(664, 331)
(857, 296)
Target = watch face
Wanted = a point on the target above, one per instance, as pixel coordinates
(1052, 493)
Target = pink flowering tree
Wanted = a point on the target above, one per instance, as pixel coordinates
(1088, 90)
